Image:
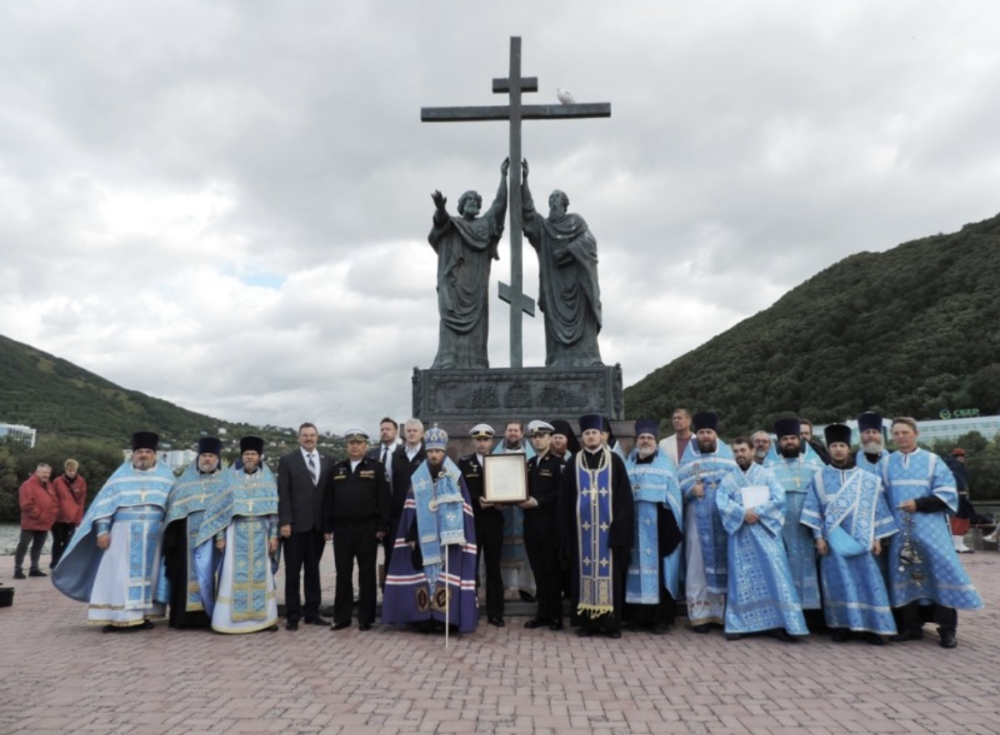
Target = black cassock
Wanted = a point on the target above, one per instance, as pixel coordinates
(621, 535)
(175, 561)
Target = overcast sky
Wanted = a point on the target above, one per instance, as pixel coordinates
(226, 204)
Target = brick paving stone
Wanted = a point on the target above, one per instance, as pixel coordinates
(509, 680)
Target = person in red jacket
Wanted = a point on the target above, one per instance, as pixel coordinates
(71, 493)
(38, 513)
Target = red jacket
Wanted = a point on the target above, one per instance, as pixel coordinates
(71, 496)
(38, 504)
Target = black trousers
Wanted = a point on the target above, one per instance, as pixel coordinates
(914, 615)
(302, 551)
(489, 539)
(61, 534)
(355, 541)
(543, 555)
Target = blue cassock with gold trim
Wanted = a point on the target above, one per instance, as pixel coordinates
(935, 573)
(762, 594)
(249, 504)
(185, 512)
(655, 488)
(126, 489)
(702, 516)
(795, 475)
(851, 502)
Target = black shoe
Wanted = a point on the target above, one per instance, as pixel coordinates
(18, 574)
(783, 635)
(318, 620)
(496, 620)
(291, 625)
(145, 625)
(365, 626)
(948, 639)
(660, 629)
(585, 632)
(536, 622)
(272, 628)
(873, 638)
(702, 629)
(111, 629)
(733, 636)
(908, 635)
(37, 573)
(840, 635)
(340, 626)
(556, 625)
(614, 634)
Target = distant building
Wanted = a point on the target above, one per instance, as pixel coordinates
(19, 433)
(937, 429)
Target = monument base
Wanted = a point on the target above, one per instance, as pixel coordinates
(457, 400)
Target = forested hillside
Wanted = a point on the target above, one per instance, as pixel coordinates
(55, 396)
(910, 331)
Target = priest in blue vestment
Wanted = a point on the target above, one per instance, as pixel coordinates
(432, 574)
(241, 523)
(113, 560)
(761, 595)
(849, 519)
(706, 462)
(794, 466)
(597, 531)
(924, 568)
(201, 481)
(653, 583)
(518, 579)
(872, 452)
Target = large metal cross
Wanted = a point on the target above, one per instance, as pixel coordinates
(514, 112)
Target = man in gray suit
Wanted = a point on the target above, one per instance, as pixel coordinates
(302, 479)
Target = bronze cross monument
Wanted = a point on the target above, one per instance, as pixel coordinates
(515, 112)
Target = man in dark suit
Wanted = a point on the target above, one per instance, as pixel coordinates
(406, 459)
(388, 432)
(302, 476)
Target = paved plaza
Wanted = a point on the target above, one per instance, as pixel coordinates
(60, 675)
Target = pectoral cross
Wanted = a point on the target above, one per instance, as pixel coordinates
(514, 85)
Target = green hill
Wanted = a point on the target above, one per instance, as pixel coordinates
(56, 397)
(910, 331)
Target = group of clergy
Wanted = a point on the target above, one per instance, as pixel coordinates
(780, 545)
(877, 523)
(205, 544)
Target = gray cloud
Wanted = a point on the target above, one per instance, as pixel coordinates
(226, 203)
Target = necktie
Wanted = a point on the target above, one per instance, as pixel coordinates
(312, 468)
(385, 453)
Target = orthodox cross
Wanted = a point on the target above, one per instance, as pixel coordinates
(514, 112)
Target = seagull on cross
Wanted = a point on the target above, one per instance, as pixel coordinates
(565, 97)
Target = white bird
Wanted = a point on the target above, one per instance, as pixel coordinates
(565, 97)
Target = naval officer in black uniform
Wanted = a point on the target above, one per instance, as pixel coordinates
(489, 522)
(356, 514)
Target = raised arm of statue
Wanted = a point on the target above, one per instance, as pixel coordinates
(440, 214)
(530, 221)
(498, 210)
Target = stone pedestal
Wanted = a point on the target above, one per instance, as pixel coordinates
(457, 400)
